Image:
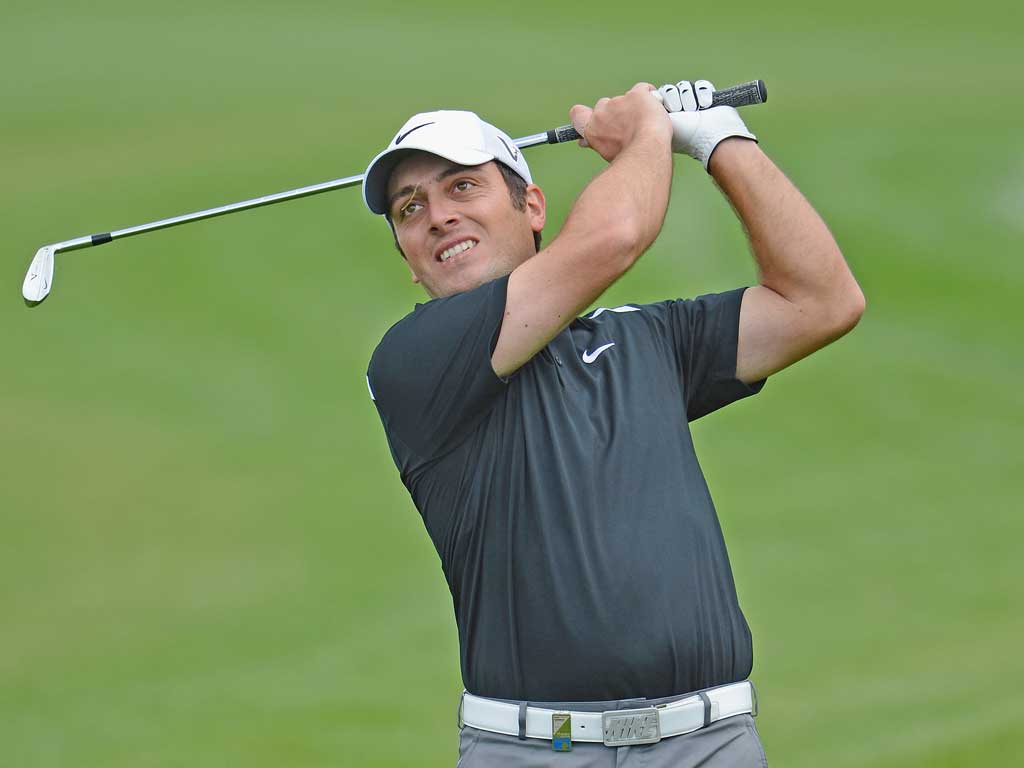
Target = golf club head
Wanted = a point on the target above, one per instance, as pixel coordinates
(39, 279)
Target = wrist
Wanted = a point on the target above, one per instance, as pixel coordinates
(659, 131)
(731, 153)
(653, 138)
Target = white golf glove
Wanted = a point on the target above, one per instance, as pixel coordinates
(696, 129)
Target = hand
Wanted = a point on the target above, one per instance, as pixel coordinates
(614, 124)
(696, 129)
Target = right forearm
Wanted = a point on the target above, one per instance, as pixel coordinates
(620, 212)
(614, 220)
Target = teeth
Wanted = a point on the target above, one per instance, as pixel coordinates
(465, 245)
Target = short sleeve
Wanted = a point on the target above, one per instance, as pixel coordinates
(705, 334)
(431, 376)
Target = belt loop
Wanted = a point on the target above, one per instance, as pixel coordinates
(462, 699)
(753, 697)
(522, 720)
(707, 709)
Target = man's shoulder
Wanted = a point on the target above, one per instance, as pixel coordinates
(395, 332)
(442, 327)
(445, 313)
(419, 312)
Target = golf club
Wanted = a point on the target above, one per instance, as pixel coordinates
(39, 280)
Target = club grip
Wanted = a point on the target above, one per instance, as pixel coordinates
(742, 95)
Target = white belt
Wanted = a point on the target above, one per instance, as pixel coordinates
(615, 727)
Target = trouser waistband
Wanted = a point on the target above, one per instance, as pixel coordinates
(613, 727)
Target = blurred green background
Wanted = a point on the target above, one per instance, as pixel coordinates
(206, 555)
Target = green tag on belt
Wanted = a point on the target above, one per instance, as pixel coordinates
(561, 732)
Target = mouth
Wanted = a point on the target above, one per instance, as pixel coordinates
(455, 249)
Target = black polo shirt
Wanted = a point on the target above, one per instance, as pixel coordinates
(573, 522)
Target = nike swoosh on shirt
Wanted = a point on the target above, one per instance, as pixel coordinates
(400, 138)
(589, 357)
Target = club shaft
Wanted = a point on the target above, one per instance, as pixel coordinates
(738, 95)
(209, 213)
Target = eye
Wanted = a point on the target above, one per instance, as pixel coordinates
(406, 210)
(462, 185)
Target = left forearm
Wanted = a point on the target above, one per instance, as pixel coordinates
(797, 256)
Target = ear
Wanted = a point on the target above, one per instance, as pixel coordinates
(536, 207)
(415, 277)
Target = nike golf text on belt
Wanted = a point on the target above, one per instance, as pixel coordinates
(614, 728)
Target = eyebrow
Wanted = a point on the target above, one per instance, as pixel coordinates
(408, 189)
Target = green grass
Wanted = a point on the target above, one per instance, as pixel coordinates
(206, 557)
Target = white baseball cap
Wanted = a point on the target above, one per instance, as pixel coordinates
(461, 137)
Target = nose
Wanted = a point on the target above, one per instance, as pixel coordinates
(442, 217)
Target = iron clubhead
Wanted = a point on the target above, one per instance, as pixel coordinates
(39, 279)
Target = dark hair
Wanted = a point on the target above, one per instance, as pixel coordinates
(516, 191)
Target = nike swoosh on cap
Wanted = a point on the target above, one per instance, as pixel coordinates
(401, 137)
(513, 153)
(589, 357)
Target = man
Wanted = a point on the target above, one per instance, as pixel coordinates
(549, 454)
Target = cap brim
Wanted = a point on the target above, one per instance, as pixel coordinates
(375, 183)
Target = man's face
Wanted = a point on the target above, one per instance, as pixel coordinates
(437, 205)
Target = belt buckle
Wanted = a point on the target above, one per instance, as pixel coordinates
(625, 727)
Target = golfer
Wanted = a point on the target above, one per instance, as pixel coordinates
(549, 453)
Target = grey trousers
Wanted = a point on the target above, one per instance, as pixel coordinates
(729, 743)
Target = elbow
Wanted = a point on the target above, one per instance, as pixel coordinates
(624, 245)
(836, 312)
(846, 310)
(846, 304)
(855, 304)
(633, 238)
